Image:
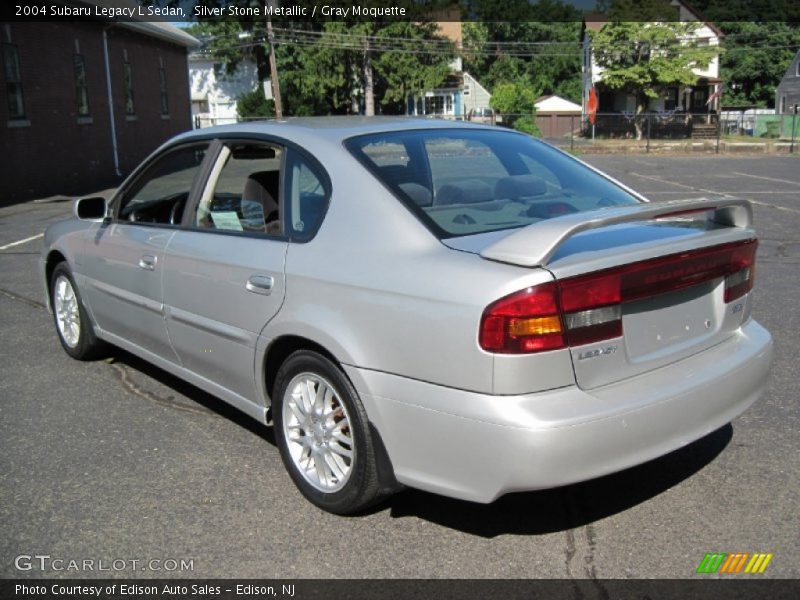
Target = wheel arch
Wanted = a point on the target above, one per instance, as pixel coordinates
(278, 351)
(54, 257)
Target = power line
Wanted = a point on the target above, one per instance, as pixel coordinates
(517, 49)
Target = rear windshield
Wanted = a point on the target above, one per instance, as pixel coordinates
(462, 182)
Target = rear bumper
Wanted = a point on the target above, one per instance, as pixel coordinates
(478, 447)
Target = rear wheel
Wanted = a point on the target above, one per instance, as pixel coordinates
(323, 435)
(72, 323)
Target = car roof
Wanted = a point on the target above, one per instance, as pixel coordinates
(330, 129)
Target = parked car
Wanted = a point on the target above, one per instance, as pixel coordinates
(452, 307)
(484, 115)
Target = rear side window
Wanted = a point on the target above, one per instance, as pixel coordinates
(243, 193)
(307, 196)
(463, 182)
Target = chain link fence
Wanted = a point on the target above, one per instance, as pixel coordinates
(645, 130)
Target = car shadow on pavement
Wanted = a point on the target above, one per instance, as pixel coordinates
(561, 509)
(195, 400)
(523, 513)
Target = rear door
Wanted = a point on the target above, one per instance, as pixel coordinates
(224, 270)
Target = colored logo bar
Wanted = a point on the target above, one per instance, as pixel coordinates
(737, 562)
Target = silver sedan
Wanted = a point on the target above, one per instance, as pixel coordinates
(457, 308)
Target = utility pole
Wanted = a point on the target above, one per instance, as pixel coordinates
(273, 67)
(369, 92)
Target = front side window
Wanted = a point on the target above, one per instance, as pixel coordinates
(81, 88)
(463, 182)
(13, 73)
(245, 196)
(160, 194)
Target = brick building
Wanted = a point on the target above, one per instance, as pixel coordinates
(83, 102)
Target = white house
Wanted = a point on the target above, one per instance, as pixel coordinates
(214, 92)
(692, 99)
(556, 104)
(461, 96)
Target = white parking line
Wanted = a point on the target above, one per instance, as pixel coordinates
(768, 178)
(726, 193)
(20, 242)
(675, 183)
(716, 193)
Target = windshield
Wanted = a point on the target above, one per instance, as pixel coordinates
(463, 182)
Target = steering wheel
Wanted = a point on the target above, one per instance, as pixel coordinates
(176, 212)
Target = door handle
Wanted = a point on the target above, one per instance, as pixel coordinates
(148, 262)
(260, 284)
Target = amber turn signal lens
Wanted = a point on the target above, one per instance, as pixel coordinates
(534, 326)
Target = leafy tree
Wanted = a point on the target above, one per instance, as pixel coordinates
(760, 39)
(757, 58)
(329, 69)
(319, 78)
(255, 104)
(516, 40)
(401, 73)
(516, 102)
(643, 57)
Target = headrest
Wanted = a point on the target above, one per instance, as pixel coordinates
(256, 189)
(468, 191)
(420, 195)
(519, 186)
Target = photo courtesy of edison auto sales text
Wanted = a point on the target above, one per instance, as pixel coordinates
(130, 589)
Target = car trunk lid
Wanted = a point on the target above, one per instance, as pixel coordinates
(641, 286)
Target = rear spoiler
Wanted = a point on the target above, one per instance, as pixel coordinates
(535, 245)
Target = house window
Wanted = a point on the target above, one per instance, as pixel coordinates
(797, 69)
(783, 105)
(81, 89)
(699, 99)
(162, 73)
(434, 105)
(13, 73)
(671, 98)
(126, 70)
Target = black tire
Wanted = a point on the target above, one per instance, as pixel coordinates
(362, 486)
(87, 346)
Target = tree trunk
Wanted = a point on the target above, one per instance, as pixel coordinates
(369, 94)
(642, 102)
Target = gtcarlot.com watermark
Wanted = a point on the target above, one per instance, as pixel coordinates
(45, 562)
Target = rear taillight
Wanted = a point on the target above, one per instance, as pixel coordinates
(524, 322)
(588, 308)
(743, 271)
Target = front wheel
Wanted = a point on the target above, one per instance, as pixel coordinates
(72, 323)
(323, 435)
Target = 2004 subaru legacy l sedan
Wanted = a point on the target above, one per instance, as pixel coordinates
(452, 307)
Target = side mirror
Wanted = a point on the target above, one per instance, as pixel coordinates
(90, 209)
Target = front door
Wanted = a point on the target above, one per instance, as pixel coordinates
(124, 259)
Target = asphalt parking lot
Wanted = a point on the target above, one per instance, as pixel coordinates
(115, 459)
